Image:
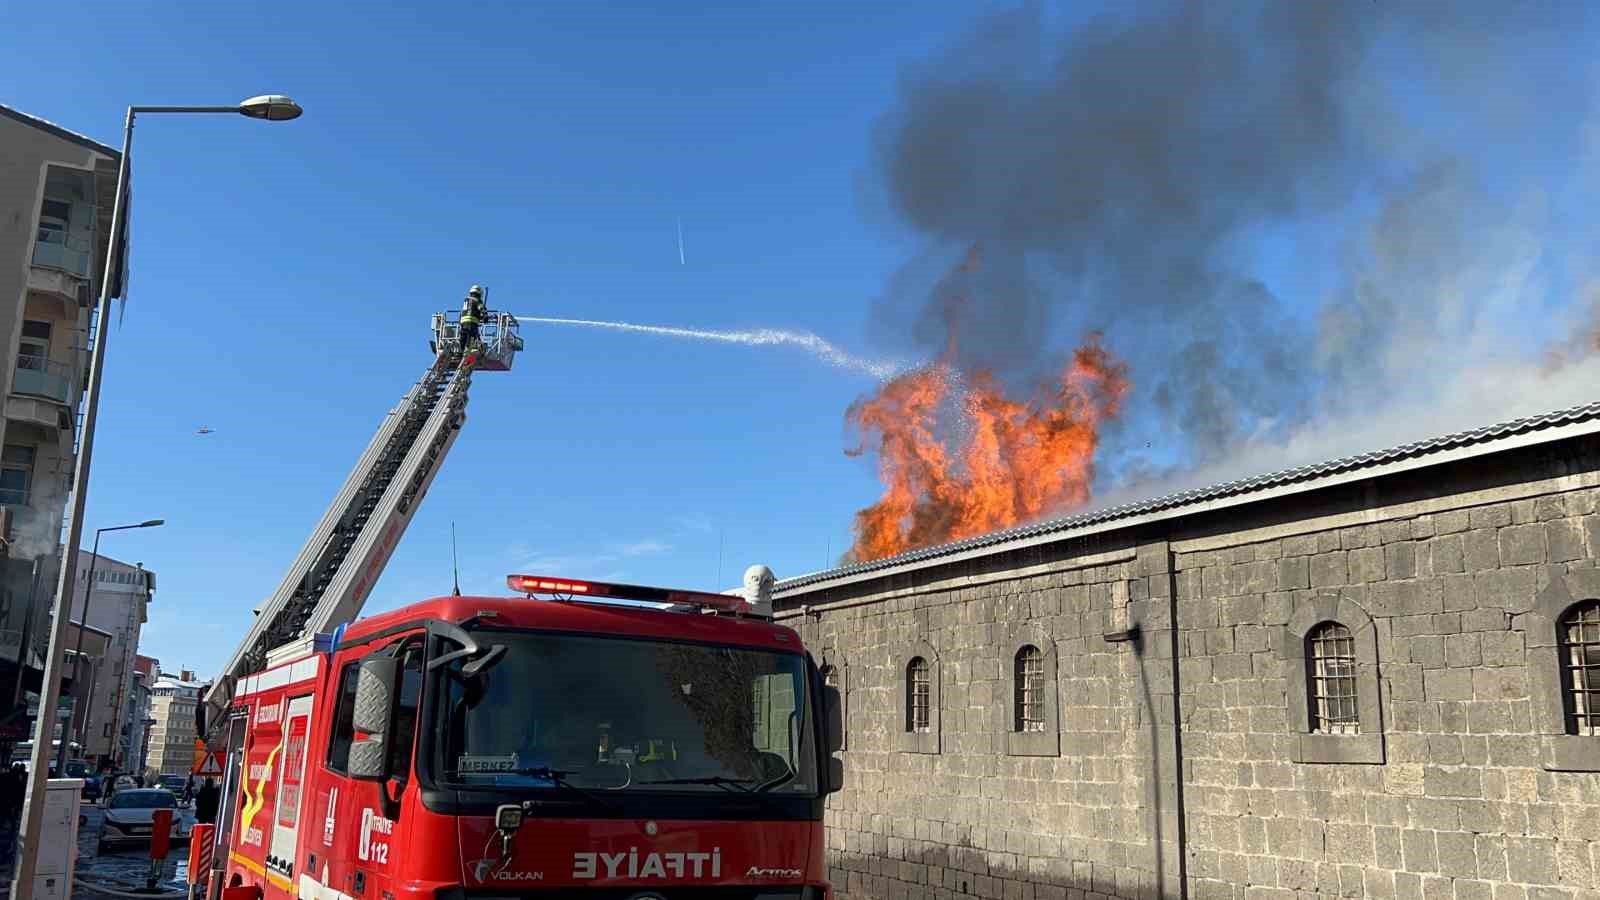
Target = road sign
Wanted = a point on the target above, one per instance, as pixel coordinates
(210, 765)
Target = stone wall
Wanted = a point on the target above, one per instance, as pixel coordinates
(1460, 784)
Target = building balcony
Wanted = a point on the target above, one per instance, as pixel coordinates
(37, 376)
(51, 251)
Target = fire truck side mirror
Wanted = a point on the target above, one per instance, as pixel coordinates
(374, 710)
(833, 718)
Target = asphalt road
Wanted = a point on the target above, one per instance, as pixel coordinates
(123, 868)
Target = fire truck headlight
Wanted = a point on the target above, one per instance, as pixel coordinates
(508, 817)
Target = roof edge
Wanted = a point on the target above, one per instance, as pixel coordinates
(1559, 425)
(55, 130)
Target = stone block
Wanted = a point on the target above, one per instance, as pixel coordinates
(1242, 610)
(1499, 684)
(1405, 779)
(1458, 855)
(1420, 854)
(1426, 650)
(1276, 608)
(1350, 842)
(1447, 684)
(1401, 559)
(1444, 750)
(1453, 781)
(1481, 549)
(1491, 856)
(1367, 565)
(1329, 569)
(1573, 867)
(1356, 536)
(1451, 522)
(1531, 860)
(1473, 890)
(1497, 516)
(1549, 507)
(1522, 545)
(1484, 620)
(1446, 554)
(1294, 573)
(1300, 545)
(1564, 540)
(1462, 650)
(1502, 648)
(1459, 592)
(1404, 680)
(1508, 589)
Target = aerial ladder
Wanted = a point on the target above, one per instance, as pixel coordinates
(330, 580)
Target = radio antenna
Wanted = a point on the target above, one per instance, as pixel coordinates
(455, 568)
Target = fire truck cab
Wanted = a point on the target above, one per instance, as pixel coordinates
(584, 739)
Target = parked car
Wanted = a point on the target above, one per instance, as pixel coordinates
(131, 813)
(173, 783)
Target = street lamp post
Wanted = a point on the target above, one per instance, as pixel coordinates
(83, 622)
(274, 108)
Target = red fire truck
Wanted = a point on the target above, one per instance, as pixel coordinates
(469, 746)
(574, 739)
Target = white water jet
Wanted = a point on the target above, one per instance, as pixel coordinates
(882, 370)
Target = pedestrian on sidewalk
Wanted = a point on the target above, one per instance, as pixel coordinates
(206, 801)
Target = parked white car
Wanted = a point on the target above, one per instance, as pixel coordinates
(131, 813)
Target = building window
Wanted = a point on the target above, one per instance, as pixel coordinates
(1331, 656)
(33, 350)
(1330, 653)
(16, 474)
(1580, 668)
(917, 693)
(918, 698)
(1028, 699)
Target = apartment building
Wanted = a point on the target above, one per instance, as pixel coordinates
(57, 189)
(117, 603)
(135, 746)
(172, 705)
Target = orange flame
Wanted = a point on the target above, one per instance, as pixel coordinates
(993, 463)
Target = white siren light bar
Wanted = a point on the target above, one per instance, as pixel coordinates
(538, 584)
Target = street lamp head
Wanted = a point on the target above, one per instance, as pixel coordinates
(151, 523)
(272, 107)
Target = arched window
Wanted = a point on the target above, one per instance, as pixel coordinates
(1028, 704)
(1331, 677)
(1579, 634)
(918, 689)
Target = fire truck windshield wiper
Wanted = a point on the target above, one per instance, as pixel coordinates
(721, 781)
(557, 777)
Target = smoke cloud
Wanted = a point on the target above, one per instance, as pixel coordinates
(1310, 228)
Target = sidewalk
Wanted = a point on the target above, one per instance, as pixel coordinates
(122, 869)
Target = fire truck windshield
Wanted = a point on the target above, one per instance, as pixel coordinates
(621, 714)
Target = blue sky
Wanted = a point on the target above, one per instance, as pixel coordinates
(283, 276)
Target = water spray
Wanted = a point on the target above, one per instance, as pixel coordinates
(881, 370)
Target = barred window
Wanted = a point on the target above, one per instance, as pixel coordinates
(1029, 701)
(917, 689)
(1580, 668)
(1332, 680)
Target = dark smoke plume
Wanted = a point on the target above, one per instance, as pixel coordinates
(1282, 215)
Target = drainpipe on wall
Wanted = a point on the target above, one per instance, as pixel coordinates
(1177, 727)
(1135, 635)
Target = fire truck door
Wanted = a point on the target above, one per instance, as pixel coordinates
(287, 811)
(229, 806)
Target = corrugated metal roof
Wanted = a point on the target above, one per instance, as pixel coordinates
(1586, 413)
